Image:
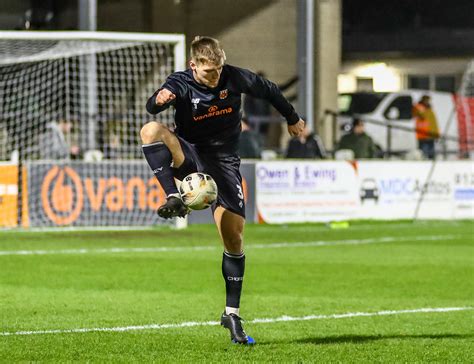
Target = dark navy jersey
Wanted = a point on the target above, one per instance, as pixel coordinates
(210, 117)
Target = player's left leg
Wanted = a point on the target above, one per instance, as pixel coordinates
(229, 215)
(231, 228)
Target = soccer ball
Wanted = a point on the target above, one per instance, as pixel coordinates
(198, 191)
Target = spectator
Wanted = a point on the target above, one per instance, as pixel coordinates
(426, 126)
(52, 143)
(250, 144)
(308, 145)
(112, 146)
(3, 144)
(358, 141)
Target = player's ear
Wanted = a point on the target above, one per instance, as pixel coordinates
(192, 64)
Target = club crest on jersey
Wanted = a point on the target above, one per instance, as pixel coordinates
(195, 102)
(223, 94)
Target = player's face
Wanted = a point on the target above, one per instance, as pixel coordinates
(207, 74)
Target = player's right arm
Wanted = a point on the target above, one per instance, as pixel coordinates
(161, 100)
(166, 95)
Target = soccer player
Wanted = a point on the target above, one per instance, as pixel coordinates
(207, 99)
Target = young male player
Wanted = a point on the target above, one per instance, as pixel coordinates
(207, 99)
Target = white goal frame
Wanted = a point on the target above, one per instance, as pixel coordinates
(177, 39)
(178, 63)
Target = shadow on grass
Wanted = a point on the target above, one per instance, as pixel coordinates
(356, 339)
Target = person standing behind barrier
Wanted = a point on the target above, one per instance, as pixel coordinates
(358, 141)
(426, 126)
(308, 145)
(258, 111)
(53, 143)
(250, 142)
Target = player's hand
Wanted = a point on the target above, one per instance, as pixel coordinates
(164, 96)
(297, 129)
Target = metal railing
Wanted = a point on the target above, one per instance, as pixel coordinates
(388, 152)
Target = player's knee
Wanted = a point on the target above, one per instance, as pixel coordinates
(151, 132)
(234, 243)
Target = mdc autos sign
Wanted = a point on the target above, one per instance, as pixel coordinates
(391, 190)
(305, 191)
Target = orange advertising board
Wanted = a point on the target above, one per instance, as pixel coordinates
(91, 194)
(9, 196)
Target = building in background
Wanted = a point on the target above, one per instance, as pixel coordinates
(399, 44)
(386, 46)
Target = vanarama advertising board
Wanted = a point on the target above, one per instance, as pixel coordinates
(299, 191)
(93, 194)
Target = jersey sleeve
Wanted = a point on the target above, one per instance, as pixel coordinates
(259, 87)
(174, 84)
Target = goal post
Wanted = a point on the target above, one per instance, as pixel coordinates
(71, 107)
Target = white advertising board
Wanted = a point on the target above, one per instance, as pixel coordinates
(306, 191)
(463, 189)
(394, 190)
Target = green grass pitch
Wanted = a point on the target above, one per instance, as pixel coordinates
(128, 280)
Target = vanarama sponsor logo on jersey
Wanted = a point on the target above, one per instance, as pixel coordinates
(212, 112)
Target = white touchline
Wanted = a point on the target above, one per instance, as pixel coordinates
(255, 321)
(378, 240)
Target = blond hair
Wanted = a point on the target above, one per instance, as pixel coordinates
(207, 50)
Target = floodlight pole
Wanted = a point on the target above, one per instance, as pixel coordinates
(319, 54)
(88, 15)
(88, 21)
(305, 60)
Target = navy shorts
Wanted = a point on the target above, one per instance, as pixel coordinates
(225, 171)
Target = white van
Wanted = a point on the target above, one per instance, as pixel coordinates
(384, 112)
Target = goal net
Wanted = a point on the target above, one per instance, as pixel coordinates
(71, 108)
(465, 112)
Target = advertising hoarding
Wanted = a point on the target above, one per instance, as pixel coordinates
(405, 190)
(125, 193)
(93, 194)
(8, 195)
(297, 191)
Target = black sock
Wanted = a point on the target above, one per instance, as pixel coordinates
(187, 167)
(233, 267)
(159, 159)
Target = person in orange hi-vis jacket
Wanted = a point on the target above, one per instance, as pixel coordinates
(426, 126)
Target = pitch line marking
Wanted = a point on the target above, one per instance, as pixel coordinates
(379, 240)
(254, 321)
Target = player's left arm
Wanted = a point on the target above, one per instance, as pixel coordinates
(262, 88)
(296, 129)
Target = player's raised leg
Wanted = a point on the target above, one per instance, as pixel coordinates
(231, 228)
(162, 149)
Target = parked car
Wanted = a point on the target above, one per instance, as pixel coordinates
(384, 112)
